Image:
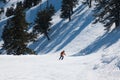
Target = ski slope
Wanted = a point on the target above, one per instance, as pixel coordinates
(91, 52)
(48, 67)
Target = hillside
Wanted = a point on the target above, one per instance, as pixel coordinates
(91, 52)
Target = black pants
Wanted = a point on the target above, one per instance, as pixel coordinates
(61, 58)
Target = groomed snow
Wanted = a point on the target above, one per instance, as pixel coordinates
(47, 67)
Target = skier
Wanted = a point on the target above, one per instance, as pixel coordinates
(62, 55)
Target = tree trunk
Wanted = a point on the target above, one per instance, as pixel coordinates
(69, 18)
(117, 15)
(90, 3)
(46, 34)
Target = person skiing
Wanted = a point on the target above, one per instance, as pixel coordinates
(62, 54)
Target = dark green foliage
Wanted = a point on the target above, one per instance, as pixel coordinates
(43, 21)
(51, 10)
(15, 35)
(10, 11)
(27, 3)
(108, 12)
(67, 8)
(65, 11)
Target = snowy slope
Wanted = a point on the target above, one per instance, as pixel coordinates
(92, 53)
(77, 33)
(48, 67)
(45, 68)
(1, 4)
(31, 13)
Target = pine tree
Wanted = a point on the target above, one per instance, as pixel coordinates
(109, 13)
(15, 35)
(67, 8)
(43, 21)
(51, 10)
(10, 11)
(28, 3)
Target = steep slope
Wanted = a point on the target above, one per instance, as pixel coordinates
(81, 37)
(77, 37)
(79, 31)
(31, 13)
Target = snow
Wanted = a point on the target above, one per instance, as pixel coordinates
(1, 4)
(46, 67)
(31, 13)
(91, 52)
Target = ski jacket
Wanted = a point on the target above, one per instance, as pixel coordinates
(62, 53)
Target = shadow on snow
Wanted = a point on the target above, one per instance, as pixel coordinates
(105, 40)
(64, 32)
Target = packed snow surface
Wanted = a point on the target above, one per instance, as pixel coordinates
(48, 67)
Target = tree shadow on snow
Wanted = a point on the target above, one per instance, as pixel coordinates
(2, 24)
(64, 32)
(105, 40)
(31, 14)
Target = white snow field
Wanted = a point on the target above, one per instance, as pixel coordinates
(91, 52)
(48, 67)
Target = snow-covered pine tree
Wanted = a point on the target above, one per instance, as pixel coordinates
(108, 12)
(15, 35)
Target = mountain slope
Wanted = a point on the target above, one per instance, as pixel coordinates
(91, 52)
(64, 34)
